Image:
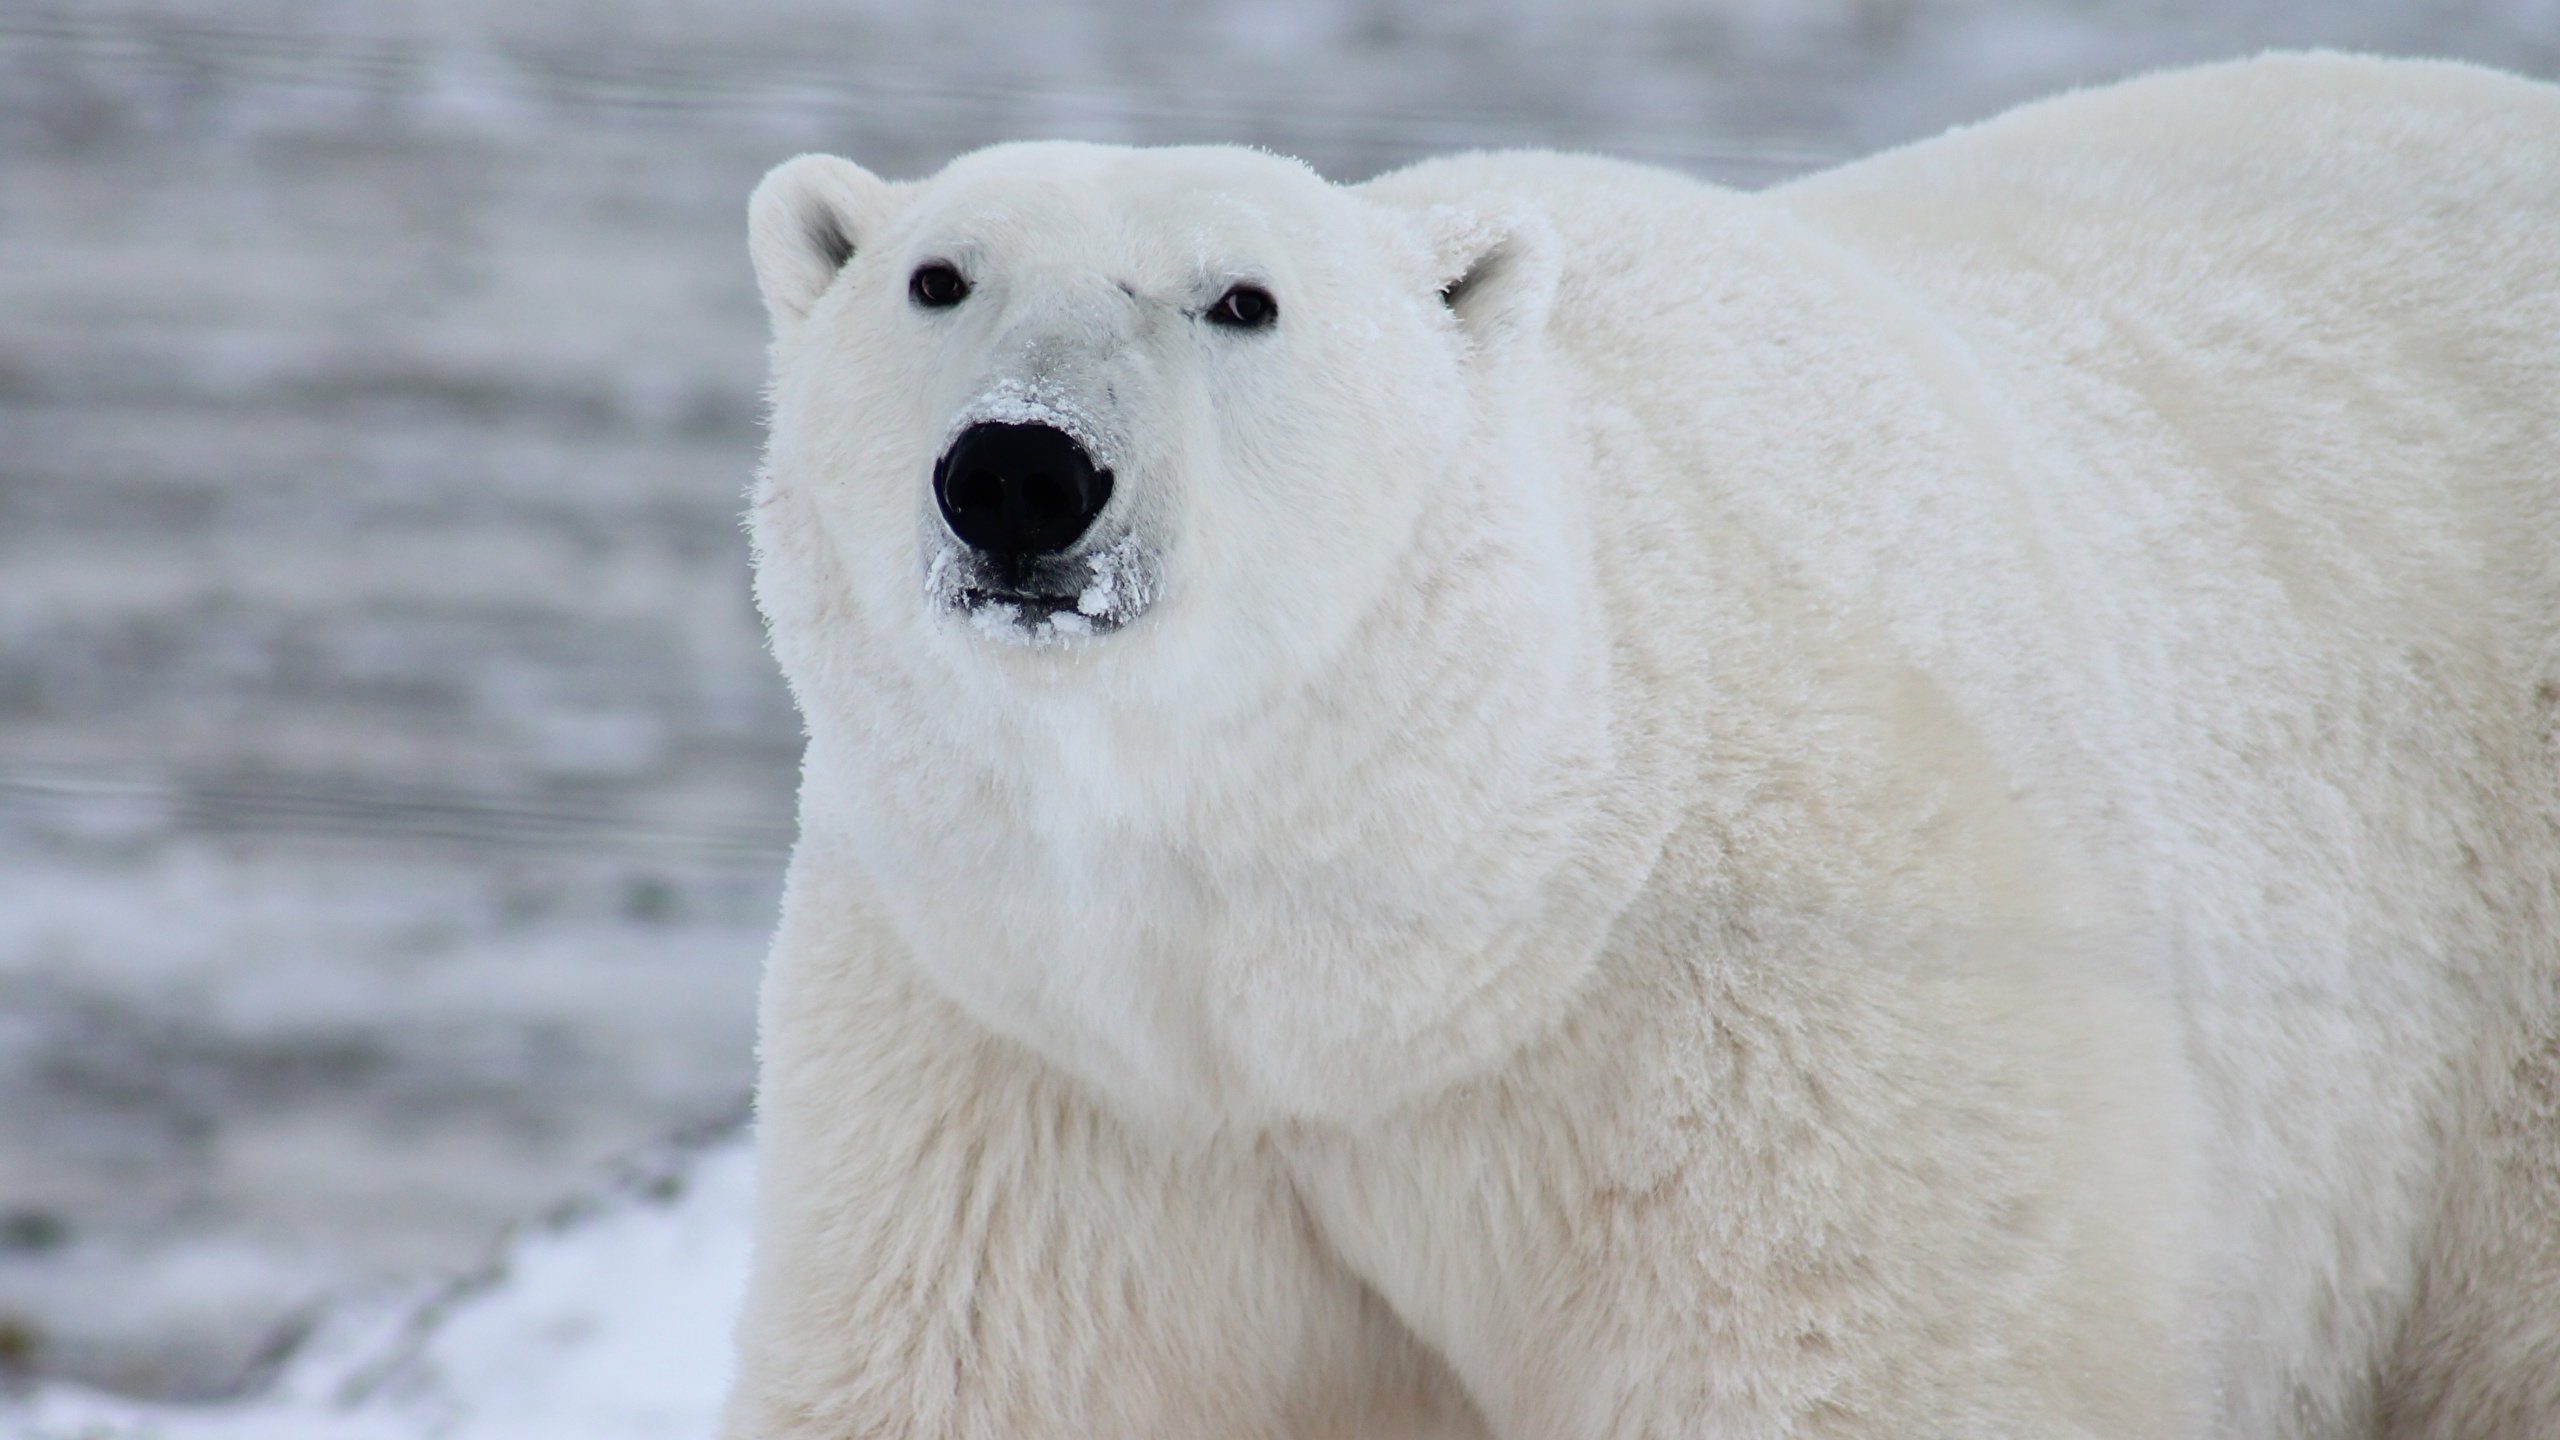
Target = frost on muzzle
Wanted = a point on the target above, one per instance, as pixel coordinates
(1022, 558)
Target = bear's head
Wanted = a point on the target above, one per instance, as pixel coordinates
(1174, 557)
(1061, 386)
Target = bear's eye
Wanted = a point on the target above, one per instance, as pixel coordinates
(937, 286)
(1245, 307)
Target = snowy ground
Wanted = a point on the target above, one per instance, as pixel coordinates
(393, 787)
(608, 1323)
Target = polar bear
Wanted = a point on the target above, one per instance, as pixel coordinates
(1534, 799)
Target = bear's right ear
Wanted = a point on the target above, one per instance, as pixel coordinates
(809, 217)
(1494, 263)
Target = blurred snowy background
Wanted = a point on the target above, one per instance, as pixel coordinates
(393, 787)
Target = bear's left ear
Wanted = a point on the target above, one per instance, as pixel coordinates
(1494, 263)
(806, 220)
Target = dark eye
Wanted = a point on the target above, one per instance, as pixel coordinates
(937, 286)
(1245, 307)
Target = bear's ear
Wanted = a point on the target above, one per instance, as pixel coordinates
(808, 217)
(1494, 262)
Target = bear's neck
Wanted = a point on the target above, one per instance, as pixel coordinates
(1368, 884)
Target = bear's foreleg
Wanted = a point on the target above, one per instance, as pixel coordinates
(954, 1242)
(1811, 1191)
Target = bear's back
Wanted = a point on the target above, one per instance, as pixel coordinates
(2277, 347)
(2331, 283)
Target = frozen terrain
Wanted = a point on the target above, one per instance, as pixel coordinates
(393, 786)
(607, 1323)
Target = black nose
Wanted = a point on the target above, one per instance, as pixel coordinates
(1019, 490)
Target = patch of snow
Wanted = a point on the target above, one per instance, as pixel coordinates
(1121, 587)
(1039, 401)
(611, 1323)
(1115, 587)
(997, 620)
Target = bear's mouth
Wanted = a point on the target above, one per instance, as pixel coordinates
(1044, 599)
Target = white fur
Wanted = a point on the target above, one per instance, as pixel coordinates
(1920, 805)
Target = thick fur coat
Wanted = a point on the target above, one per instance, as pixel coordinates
(1921, 804)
